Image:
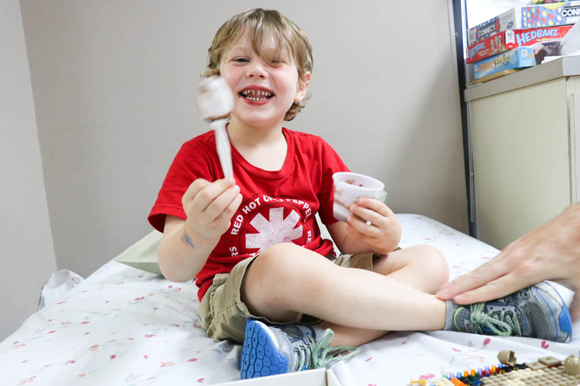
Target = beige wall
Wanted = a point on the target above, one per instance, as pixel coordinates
(114, 84)
(26, 250)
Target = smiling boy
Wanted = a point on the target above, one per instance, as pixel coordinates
(265, 275)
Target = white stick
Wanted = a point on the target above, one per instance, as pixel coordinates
(223, 146)
(215, 102)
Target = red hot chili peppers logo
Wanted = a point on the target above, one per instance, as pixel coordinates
(263, 221)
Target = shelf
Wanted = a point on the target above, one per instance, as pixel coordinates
(561, 67)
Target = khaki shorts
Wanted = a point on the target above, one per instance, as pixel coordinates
(222, 312)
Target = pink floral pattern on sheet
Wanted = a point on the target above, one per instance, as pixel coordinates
(125, 327)
(110, 322)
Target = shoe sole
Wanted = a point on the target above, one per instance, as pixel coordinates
(260, 356)
(563, 321)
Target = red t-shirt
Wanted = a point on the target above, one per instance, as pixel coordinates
(277, 206)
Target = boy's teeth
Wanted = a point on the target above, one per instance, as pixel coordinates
(259, 93)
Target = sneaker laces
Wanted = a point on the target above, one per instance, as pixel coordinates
(502, 324)
(319, 354)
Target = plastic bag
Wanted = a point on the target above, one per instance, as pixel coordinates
(59, 283)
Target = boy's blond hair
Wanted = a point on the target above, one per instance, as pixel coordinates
(261, 23)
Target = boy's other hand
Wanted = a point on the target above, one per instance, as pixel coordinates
(209, 206)
(374, 223)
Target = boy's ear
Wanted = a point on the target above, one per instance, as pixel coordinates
(302, 88)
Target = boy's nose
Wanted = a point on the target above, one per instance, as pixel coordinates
(257, 69)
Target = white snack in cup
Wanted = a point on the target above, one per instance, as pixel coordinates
(349, 187)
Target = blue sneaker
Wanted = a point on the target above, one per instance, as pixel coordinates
(287, 348)
(537, 312)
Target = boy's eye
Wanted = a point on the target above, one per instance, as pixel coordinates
(241, 60)
(276, 61)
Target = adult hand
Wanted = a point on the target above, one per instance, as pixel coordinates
(209, 206)
(549, 252)
(375, 224)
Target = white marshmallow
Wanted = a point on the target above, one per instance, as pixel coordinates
(214, 98)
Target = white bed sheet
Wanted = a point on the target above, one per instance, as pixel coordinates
(122, 326)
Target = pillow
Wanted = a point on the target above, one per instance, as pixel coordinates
(143, 254)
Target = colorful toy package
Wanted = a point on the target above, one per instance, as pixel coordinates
(510, 39)
(532, 16)
(520, 57)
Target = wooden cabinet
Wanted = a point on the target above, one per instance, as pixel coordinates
(525, 137)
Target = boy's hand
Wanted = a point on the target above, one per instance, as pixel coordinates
(209, 206)
(375, 224)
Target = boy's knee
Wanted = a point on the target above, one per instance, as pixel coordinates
(434, 262)
(279, 274)
(279, 262)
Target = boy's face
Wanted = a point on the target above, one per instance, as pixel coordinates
(264, 89)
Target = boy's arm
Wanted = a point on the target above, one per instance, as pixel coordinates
(382, 235)
(182, 253)
(187, 244)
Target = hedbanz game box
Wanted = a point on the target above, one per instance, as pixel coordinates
(532, 16)
(510, 39)
(520, 57)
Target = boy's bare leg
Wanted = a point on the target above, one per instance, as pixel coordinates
(421, 267)
(286, 281)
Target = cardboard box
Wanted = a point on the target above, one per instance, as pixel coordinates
(510, 39)
(532, 16)
(318, 377)
(520, 57)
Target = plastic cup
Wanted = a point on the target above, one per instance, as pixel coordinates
(349, 187)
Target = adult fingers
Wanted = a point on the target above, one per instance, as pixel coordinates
(482, 275)
(494, 289)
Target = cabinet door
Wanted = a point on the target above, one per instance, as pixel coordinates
(521, 160)
(574, 120)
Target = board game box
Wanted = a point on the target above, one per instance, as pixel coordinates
(532, 16)
(510, 39)
(520, 57)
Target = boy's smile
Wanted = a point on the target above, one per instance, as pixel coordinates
(256, 94)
